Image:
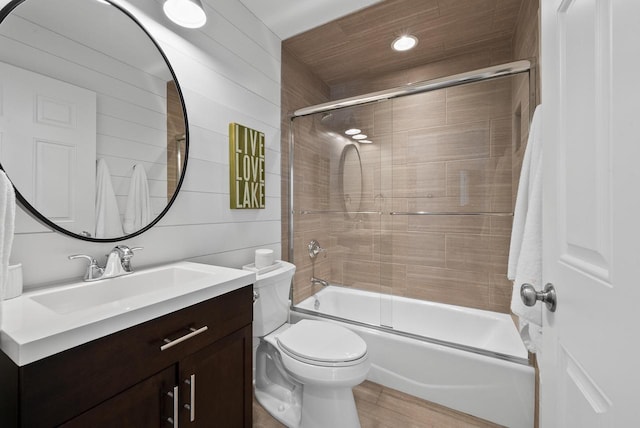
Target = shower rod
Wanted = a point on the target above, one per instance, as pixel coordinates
(479, 75)
(494, 214)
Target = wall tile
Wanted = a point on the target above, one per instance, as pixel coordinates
(446, 143)
(419, 111)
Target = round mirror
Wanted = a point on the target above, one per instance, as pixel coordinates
(93, 129)
(351, 177)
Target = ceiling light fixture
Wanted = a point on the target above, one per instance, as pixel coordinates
(352, 131)
(186, 13)
(404, 43)
(359, 137)
(365, 141)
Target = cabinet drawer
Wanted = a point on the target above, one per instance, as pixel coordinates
(58, 387)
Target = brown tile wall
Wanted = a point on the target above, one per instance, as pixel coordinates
(301, 88)
(424, 146)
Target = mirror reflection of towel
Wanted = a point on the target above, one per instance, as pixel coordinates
(108, 224)
(7, 225)
(138, 211)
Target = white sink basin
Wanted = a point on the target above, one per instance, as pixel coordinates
(117, 291)
(47, 321)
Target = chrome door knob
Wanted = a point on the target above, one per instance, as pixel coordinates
(530, 296)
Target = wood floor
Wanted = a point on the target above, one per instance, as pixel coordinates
(381, 407)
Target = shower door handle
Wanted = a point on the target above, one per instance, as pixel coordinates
(530, 296)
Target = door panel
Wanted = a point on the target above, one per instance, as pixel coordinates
(590, 59)
(144, 405)
(222, 392)
(48, 147)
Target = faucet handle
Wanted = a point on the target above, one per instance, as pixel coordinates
(125, 254)
(315, 249)
(94, 272)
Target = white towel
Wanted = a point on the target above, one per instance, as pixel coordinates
(108, 223)
(7, 225)
(525, 253)
(138, 212)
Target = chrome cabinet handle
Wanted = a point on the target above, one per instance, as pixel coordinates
(168, 343)
(174, 395)
(192, 401)
(530, 296)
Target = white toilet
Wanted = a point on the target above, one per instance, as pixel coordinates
(303, 373)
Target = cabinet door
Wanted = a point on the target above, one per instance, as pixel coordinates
(216, 384)
(145, 404)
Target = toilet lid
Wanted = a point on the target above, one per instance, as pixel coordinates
(322, 341)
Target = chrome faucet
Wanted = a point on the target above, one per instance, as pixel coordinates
(118, 263)
(318, 281)
(315, 281)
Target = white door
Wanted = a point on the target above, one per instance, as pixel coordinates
(48, 146)
(590, 371)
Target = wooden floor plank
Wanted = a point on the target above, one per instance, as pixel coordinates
(381, 407)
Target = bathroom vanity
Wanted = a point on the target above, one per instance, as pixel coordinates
(190, 366)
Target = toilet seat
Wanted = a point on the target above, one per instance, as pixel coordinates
(322, 344)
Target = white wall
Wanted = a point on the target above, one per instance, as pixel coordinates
(229, 71)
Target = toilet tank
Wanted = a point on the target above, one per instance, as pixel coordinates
(271, 308)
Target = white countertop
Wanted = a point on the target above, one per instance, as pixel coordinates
(32, 331)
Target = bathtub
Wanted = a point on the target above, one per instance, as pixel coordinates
(469, 360)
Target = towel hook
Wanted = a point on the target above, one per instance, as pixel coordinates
(530, 296)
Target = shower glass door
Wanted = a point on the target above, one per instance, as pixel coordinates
(448, 229)
(338, 198)
(421, 209)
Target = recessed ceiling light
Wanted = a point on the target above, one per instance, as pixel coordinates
(365, 141)
(359, 137)
(352, 131)
(404, 43)
(186, 13)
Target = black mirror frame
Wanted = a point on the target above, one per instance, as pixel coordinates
(41, 218)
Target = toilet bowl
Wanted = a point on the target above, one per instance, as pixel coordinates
(304, 373)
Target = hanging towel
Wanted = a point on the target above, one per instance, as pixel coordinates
(525, 253)
(7, 225)
(138, 212)
(108, 223)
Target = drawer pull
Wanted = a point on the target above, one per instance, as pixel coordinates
(169, 343)
(174, 395)
(192, 405)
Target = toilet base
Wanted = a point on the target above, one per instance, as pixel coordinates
(277, 401)
(328, 407)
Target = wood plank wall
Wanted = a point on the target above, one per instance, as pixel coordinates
(229, 71)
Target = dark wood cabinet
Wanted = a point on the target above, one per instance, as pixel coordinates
(145, 404)
(218, 392)
(127, 379)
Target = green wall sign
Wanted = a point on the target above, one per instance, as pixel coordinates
(246, 167)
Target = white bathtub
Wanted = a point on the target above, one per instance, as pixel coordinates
(466, 359)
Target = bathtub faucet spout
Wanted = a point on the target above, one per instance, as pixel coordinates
(318, 281)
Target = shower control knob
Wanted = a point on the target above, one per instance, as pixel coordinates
(530, 296)
(315, 249)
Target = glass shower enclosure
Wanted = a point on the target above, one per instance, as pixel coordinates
(410, 192)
